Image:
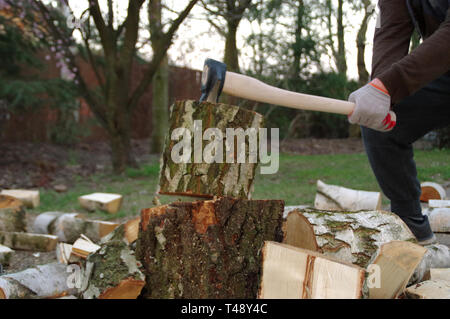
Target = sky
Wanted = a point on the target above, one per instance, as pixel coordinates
(196, 40)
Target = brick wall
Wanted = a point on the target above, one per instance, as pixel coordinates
(34, 126)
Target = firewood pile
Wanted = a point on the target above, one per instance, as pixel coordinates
(227, 245)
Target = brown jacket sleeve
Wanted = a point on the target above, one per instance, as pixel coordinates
(400, 72)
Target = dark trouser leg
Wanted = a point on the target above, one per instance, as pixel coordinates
(391, 154)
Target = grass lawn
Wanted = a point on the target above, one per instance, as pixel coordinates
(295, 181)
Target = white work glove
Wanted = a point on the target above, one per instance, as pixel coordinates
(372, 108)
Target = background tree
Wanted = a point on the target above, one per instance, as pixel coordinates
(160, 82)
(23, 84)
(367, 7)
(334, 22)
(114, 99)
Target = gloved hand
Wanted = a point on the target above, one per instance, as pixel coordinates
(372, 108)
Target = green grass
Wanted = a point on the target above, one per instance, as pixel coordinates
(295, 181)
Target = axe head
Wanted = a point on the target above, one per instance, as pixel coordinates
(213, 78)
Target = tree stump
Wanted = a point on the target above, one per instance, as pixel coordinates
(202, 177)
(206, 249)
(12, 214)
(354, 237)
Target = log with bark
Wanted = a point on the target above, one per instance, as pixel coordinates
(293, 273)
(28, 241)
(46, 281)
(12, 214)
(439, 218)
(436, 256)
(5, 255)
(203, 177)
(69, 226)
(206, 249)
(333, 197)
(395, 263)
(113, 272)
(353, 237)
(30, 198)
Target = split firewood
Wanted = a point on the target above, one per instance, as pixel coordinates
(110, 203)
(353, 237)
(440, 274)
(333, 197)
(112, 272)
(439, 219)
(28, 241)
(30, 198)
(395, 262)
(206, 249)
(225, 173)
(12, 214)
(69, 226)
(127, 231)
(5, 255)
(46, 281)
(63, 253)
(430, 289)
(431, 190)
(132, 229)
(83, 246)
(436, 256)
(293, 273)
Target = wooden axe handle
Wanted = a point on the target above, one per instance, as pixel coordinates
(252, 89)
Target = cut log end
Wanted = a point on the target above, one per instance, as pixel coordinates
(12, 214)
(431, 190)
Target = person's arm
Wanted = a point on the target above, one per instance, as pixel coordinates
(401, 73)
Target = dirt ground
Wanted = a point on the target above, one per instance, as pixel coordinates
(31, 165)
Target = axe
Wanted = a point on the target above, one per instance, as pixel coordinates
(216, 79)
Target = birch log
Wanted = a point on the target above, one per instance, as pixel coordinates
(353, 237)
(47, 281)
(436, 256)
(206, 249)
(12, 214)
(69, 226)
(439, 219)
(28, 241)
(5, 255)
(223, 176)
(113, 272)
(333, 197)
